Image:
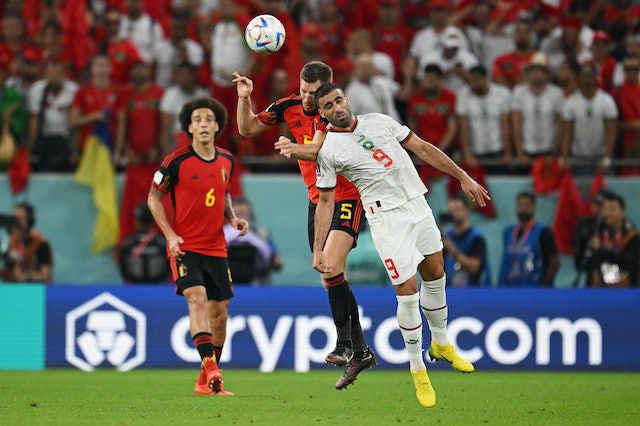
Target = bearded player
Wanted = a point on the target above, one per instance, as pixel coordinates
(369, 150)
(300, 112)
(198, 176)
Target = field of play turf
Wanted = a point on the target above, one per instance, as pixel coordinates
(284, 397)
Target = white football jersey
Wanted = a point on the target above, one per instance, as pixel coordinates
(370, 155)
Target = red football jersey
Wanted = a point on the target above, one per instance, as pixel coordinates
(91, 99)
(432, 115)
(123, 55)
(143, 117)
(510, 65)
(303, 127)
(198, 188)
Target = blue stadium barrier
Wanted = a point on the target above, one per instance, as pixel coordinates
(290, 327)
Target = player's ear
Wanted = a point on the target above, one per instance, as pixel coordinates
(191, 128)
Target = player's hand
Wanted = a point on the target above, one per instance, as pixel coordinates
(475, 191)
(320, 263)
(241, 225)
(285, 146)
(243, 84)
(174, 246)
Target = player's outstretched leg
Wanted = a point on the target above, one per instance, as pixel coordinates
(363, 356)
(340, 302)
(209, 372)
(410, 323)
(434, 305)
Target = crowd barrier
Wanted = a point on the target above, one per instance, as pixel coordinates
(123, 328)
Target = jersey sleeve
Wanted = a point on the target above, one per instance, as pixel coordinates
(166, 178)
(273, 115)
(326, 177)
(400, 132)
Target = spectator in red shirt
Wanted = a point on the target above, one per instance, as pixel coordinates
(507, 68)
(94, 102)
(52, 47)
(13, 44)
(137, 137)
(391, 35)
(122, 52)
(331, 35)
(628, 98)
(622, 11)
(431, 112)
(601, 58)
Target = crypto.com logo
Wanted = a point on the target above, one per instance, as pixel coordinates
(104, 334)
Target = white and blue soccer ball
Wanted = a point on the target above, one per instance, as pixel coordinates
(265, 34)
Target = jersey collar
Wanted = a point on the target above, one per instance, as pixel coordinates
(349, 129)
(215, 155)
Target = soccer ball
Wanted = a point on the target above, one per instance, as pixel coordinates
(265, 34)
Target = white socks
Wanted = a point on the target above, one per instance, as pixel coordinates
(433, 301)
(410, 322)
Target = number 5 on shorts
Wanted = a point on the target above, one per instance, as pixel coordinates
(391, 267)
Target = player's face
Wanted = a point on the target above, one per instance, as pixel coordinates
(334, 106)
(308, 93)
(203, 125)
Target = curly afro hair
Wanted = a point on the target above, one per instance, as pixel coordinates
(219, 112)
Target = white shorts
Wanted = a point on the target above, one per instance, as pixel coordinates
(404, 236)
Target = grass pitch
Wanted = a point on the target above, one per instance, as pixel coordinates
(284, 397)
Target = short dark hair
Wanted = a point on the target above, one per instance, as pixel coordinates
(29, 211)
(433, 69)
(527, 194)
(219, 111)
(316, 71)
(612, 196)
(479, 69)
(324, 89)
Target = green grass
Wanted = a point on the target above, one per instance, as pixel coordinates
(284, 397)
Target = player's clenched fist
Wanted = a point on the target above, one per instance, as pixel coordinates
(243, 84)
(174, 246)
(285, 146)
(241, 225)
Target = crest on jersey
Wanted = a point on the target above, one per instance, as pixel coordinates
(223, 173)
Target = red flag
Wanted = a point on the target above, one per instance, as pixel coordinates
(546, 175)
(478, 174)
(19, 171)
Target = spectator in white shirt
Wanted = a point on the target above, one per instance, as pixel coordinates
(369, 92)
(143, 31)
(589, 125)
(537, 108)
(49, 103)
(429, 39)
(566, 43)
(454, 61)
(176, 49)
(483, 109)
(184, 89)
(360, 42)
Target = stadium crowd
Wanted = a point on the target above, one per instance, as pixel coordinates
(503, 86)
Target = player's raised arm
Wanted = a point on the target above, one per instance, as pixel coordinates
(248, 123)
(307, 152)
(435, 157)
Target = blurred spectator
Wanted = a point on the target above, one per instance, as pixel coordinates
(122, 52)
(52, 47)
(143, 254)
(452, 59)
(628, 98)
(174, 97)
(602, 59)
(140, 28)
(486, 35)
(567, 77)
(484, 109)
(430, 39)
(589, 126)
(311, 45)
(360, 42)
(631, 48)
(431, 113)
(537, 108)
(613, 259)
(26, 71)
(176, 49)
(369, 92)
(14, 46)
(137, 139)
(49, 102)
(508, 68)
(567, 43)
(28, 257)
(253, 256)
(13, 111)
(465, 261)
(530, 257)
(330, 24)
(390, 34)
(586, 229)
(94, 103)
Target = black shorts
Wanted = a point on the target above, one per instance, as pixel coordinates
(348, 216)
(193, 269)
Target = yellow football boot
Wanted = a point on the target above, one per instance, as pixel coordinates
(448, 353)
(424, 391)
